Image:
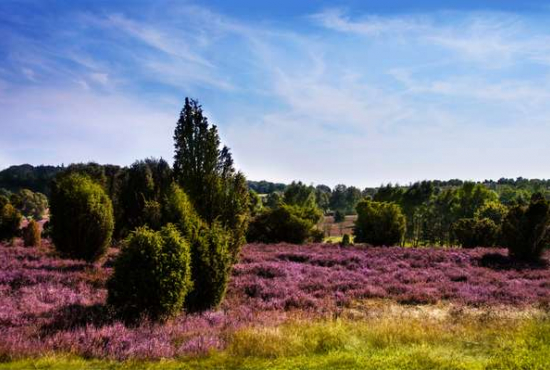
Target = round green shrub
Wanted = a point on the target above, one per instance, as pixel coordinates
(81, 218)
(30, 204)
(346, 240)
(31, 234)
(526, 229)
(152, 275)
(379, 223)
(286, 223)
(10, 220)
(494, 211)
(473, 232)
(211, 266)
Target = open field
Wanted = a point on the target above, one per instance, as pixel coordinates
(291, 306)
(337, 229)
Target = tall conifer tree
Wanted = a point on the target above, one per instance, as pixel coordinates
(205, 171)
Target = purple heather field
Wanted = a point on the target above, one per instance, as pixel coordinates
(48, 304)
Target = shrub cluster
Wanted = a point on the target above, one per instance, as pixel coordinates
(379, 223)
(210, 266)
(81, 217)
(346, 240)
(139, 194)
(29, 203)
(152, 274)
(494, 211)
(159, 266)
(31, 234)
(211, 259)
(10, 220)
(526, 229)
(474, 232)
(285, 223)
(339, 216)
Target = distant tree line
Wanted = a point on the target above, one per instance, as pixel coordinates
(265, 187)
(25, 176)
(340, 198)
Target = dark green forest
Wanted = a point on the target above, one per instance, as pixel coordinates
(437, 212)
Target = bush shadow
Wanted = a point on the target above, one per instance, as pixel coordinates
(497, 261)
(76, 316)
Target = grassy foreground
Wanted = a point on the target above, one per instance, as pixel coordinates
(374, 343)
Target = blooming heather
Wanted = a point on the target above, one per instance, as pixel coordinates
(49, 304)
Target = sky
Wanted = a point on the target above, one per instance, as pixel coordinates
(354, 92)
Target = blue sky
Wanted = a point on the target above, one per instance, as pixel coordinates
(355, 92)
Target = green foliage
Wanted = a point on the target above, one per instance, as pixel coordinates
(179, 211)
(471, 197)
(286, 223)
(211, 266)
(152, 214)
(210, 250)
(81, 217)
(92, 170)
(31, 234)
(301, 195)
(476, 232)
(5, 193)
(511, 196)
(4, 200)
(317, 235)
(389, 193)
(139, 196)
(274, 200)
(206, 173)
(345, 198)
(526, 229)
(322, 199)
(25, 176)
(338, 197)
(346, 240)
(255, 204)
(30, 204)
(152, 275)
(339, 216)
(414, 201)
(494, 211)
(10, 220)
(265, 187)
(440, 217)
(106, 175)
(379, 223)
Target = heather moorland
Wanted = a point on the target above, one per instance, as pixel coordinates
(316, 296)
(365, 187)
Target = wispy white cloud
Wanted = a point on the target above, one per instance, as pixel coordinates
(360, 100)
(370, 25)
(494, 39)
(101, 78)
(167, 42)
(29, 74)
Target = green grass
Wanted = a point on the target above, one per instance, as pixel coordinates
(377, 343)
(336, 239)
